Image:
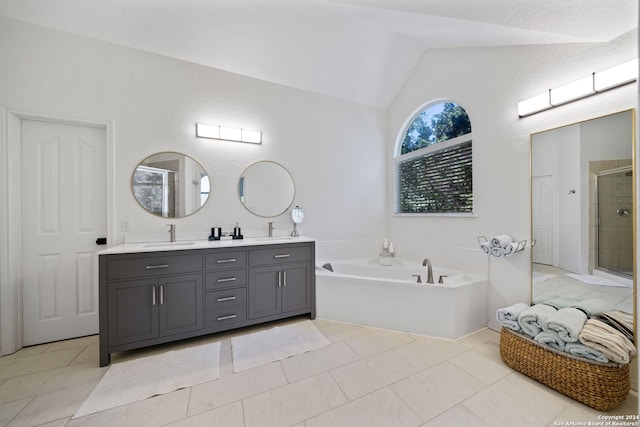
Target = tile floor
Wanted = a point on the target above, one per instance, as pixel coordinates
(561, 284)
(366, 377)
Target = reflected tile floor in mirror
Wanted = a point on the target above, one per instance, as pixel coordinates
(365, 377)
(619, 297)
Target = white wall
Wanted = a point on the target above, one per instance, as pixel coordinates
(488, 83)
(333, 149)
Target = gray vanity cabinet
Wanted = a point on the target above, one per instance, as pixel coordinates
(132, 317)
(149, 298)
(150, 308)
(280, 281)
(226, 290)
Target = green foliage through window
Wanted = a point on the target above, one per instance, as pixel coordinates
(438, 123)
(440, 180)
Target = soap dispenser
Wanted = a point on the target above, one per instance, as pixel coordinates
(237, 235)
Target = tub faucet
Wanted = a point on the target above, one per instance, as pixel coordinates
(172, 232)
(270, 229)
(427, 263)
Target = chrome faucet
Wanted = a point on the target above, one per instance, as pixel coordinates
(427, 263)
(172, 232)
(270, 229)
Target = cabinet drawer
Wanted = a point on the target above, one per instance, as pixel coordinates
(225, 279)
(220, 260)
(225, 298)
(128, 267)
(279, 255)
(225, 318)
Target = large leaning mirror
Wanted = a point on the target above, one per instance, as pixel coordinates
(266, 189)
(170, 185)
(582, 211)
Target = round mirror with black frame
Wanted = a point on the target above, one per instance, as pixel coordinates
(170, 185)
(266, 189)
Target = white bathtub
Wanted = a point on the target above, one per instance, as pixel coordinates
(363, 292)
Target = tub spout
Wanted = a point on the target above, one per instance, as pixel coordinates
(427, 263)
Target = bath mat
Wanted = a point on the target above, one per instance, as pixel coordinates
(134, 380)
(595, 280)
(280, 342)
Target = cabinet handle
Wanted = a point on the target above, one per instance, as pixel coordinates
(226, 299)
(226, 279)
(222, 261)
(153, 267)
(161, 294)
(282, 256)
(153, 295)
(284, 278)
(231, 316)
(279, 279)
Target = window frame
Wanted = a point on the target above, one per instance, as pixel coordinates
(421, 152)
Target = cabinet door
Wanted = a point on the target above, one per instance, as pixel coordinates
(133, 311)
(296, 289)
(264, 292)
(181, 304)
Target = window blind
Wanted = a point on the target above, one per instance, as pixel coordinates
(437, 182)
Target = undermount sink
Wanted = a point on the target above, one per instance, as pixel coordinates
(171, 244)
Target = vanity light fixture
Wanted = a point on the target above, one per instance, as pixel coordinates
(598, 82)
(228, 134)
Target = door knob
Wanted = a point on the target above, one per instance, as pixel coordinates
(624, 212)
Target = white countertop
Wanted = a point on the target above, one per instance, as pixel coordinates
(201, 244)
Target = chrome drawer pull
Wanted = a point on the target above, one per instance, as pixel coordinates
(226, 279)
(153, 295)
(222, 261)
(282, 256)
(226, 299)
(232, 316)
(153, 267)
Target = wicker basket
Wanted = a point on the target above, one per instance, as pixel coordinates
(598, 385)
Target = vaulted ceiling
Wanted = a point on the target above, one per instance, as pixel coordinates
(357, 50)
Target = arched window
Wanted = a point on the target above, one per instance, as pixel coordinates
(433, 162)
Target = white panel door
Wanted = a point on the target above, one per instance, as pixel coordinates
(542, 209)
(64, 200)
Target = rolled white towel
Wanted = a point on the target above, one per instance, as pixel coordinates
(531, 319)
(501, 240)
(509, 248)
(508, 316)
(585, 351)
(485, 247)
(566, 322)
(497, 252)
(551, 340)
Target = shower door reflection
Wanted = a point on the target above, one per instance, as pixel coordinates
(614, 224)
